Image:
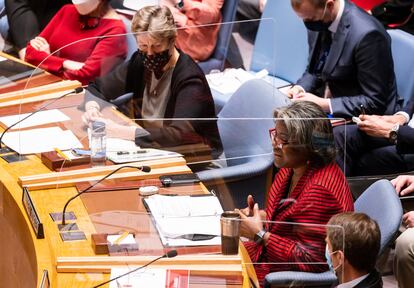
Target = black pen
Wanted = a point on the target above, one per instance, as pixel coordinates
(362, 109)
(132, 152)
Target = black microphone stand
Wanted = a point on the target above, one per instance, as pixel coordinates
(5, 149)
(145, 169)
(169, 254)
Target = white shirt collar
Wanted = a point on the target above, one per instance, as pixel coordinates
(352, 283)
(334, 26)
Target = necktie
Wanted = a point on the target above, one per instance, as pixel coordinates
(325, 41)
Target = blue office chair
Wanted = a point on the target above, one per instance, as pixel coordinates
(243, 140)
(281, 44)
(380, 202)
(402, 46)
(130, 38)
(218, 58)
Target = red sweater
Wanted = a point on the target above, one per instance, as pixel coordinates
(319, 194)
(99, 54)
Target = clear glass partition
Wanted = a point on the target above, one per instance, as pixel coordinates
(230, 150)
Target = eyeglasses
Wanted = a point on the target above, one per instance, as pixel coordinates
(275, 138)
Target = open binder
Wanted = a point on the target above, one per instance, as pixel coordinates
(186, 220)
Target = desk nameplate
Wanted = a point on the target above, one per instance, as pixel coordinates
(32, 214)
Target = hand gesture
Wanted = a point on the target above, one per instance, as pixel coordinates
(92, 112)
(375, 126)
(294, 91)
(408, 219)
(248, 211)
(404, 184)
(72, 65)
(115, 130)
(40, 44)
(321, 102)
(249, 226)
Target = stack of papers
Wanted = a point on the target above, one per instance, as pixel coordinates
(41, 140)
(181, 218)
(40, 118)
(155, 278)
(228, 81)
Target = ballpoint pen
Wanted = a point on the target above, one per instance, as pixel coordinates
(121, 237)
(362, 109)
(61, 154)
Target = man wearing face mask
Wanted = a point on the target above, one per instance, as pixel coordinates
(350, 69)
(165, 82)
(352, 246)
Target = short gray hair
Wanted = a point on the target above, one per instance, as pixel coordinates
(308, 126)
(157, 21)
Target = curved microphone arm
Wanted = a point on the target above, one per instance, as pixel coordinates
(74, 91)
(145, 169)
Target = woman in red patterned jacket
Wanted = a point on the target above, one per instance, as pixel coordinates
(308, 189)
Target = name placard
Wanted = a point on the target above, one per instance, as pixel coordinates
(45, 283)
(32, 214)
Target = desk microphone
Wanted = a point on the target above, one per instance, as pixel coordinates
(169, 254)
(77, 90)
(145, 169)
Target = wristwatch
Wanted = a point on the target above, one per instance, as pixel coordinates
(259, 237)
(393, 134)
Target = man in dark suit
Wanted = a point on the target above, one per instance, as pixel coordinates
(350, 66)
(352, 251)
(378, 144)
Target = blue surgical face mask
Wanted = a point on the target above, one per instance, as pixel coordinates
(329, 260)
(318, 25)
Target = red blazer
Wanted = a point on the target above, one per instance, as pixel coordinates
(319, 194)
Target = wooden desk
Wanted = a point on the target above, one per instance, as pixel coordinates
(23, 257)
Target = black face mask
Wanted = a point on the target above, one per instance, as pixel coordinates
(155, 62)
(317, 26)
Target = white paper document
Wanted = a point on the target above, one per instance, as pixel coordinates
(150, 277)
(41, 140)
(138, 4)
(118, 144)
(135, 155)
(228, 81)
(40, 118)
(179, 218)
(155, 278)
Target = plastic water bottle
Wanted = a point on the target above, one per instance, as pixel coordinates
(98, 144)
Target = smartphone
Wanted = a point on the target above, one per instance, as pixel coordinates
(81, 152)
(356, 120)
(179, 179)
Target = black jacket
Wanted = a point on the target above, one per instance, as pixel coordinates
(190, 97)
(359, 69)
(373, 280)
(27, 18)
